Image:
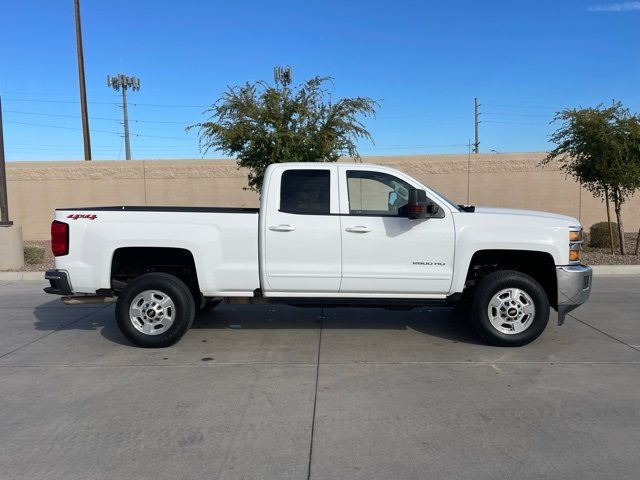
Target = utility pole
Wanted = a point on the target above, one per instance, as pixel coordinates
(469, 145)
(11, 251)
(83, 90)
(476, 114)
(121, 81)
(4, 206)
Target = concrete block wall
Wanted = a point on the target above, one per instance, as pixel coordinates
(501, 180)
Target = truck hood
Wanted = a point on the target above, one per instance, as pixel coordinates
(526, 213)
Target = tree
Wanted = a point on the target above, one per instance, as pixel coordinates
(261, 124)
(600, 147)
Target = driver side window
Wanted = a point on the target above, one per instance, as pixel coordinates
(376, 193)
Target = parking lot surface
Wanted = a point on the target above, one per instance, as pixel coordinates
(276, 392)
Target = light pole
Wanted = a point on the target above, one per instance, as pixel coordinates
(122, 82)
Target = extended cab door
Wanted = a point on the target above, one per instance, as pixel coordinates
(300, 231)
(383, 252)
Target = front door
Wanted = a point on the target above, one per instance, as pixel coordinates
(383, 252)
(302, 233)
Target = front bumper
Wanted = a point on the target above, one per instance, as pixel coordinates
(59, 281)
(574, 288)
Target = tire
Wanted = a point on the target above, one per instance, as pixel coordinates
(207, 306)
(155, 310)
(510, 309)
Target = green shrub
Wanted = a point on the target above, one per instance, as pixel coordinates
(33, 255)
(599, 235)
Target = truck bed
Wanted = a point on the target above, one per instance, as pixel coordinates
(222, 240)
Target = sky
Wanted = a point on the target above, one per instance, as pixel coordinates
(423, 61)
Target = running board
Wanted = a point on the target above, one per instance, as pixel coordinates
(86, 299)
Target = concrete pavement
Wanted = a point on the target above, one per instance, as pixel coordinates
(275, 392)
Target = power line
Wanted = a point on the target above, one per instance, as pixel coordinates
(168, 105)
(98, 131)
(97, 118)
(62, 145)
(516, 123)
(52, 101)
(67, 147)
(56, 126)
(185, 122)
(57, 115)
(157, 136)
(524, 106)
(379, 147)
(545, 107)
(71, 94)
(504, 114)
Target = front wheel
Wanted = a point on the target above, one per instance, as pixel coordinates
(510, 309)
(155, 310)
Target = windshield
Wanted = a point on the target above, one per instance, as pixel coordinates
(446, 199)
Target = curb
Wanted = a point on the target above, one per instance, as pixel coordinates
(616, 269)
(597, 270)
(23, 276)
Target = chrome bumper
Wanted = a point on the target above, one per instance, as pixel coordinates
(574, 288)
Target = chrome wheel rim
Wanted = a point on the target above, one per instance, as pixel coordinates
(152, 312)
(511, 311)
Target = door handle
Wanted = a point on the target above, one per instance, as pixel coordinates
(358, 229)
(282, 228)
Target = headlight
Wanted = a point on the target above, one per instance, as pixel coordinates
(575, 235)
(575, 244)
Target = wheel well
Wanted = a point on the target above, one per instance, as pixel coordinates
(538, 265)
(131, 262)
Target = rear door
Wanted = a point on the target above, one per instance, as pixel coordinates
(383, 252)
(301, 232)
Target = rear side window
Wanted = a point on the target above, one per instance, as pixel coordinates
(305, 191)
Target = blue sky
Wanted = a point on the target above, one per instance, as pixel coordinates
(424, 61)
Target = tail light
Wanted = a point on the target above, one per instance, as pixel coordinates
(59, 238)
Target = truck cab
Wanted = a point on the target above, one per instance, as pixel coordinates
(344, 230)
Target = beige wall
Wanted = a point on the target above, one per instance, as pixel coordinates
(501, 180)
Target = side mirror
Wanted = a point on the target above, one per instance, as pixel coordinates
(418, 206)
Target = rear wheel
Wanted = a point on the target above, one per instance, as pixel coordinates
(155, 310)
(510, 309)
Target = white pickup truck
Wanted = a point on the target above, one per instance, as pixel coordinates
(325, 234)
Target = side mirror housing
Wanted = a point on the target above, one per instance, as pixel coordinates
(418, 206)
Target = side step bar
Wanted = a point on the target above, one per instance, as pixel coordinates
(85, 299)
